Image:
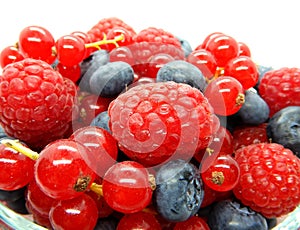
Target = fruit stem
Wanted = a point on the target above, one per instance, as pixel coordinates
(105, 41)
(16, 145)
(97, 188)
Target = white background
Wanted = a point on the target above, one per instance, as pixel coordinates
(269, 28)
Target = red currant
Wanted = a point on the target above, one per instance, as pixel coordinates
(71, 72)
(9, 55)
(70, 50)
(223, 174)
(139, 220)
(63, 157)
(126, 187)
(16, 169)
(226, 95)
(122, 53)
(205, 61)
(86, 39)
(193, 223)
(244, 50)
(37, 42)
(207, 39)
(77, 213)
(244, 70)
(223, 48)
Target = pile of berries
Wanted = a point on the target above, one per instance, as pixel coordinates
(118, 129)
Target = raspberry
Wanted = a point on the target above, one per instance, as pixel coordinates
(270, 179)
(153, 121)
(36, 102)
(280, 88)
(249, 134)
(105, 25)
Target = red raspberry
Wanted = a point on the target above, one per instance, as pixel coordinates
(155, 121)
(270, 179)
(153, 41)
(105, 25)
(280, 88)
(248, 134)
(36, 102)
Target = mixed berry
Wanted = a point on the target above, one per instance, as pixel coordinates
(118, 129)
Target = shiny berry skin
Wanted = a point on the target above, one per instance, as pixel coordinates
(36, 102)
(71, 72)
(193, 223)
(38, 199)
(139, 220)
(63, 157)
(117, 31)
(207, 39)
(226, 95)
(205, 61)
(126, 187)
(280, 88)
(244, 50)
(222, 175)
(70, 50)
(223, 48)
(270, 179)
(244, 70)
(36, 42)
(9, 55)
(77, 213)
(16, 169)
(122, 53)
(102, 148)
(156, 121)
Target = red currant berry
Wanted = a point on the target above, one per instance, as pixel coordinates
(244, 50)
(86, 39)
(244, 70)
(126, 187)
(71, 72)
(63, 157)
(223, 174)
(226, 95)
(77, 213)
(36, 42)
(70, 50)
(223, 48)
(122, 53)
(156, 62)
(205, 61)
(193, 223)
(102, 148)
(9, 55)
(16, 169)
(139, 220)
(207, 39)
(39, 218)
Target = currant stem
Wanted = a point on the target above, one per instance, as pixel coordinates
(16, 145)
(105, 41)
(97, 188)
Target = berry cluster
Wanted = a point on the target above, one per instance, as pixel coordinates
(118, 129)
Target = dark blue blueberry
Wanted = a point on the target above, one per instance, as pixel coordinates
(89, 65)
(284, 128)
(19, 205)
(108, 223)
(186, 46)
(230, 215)
(182, 72)
(255, 110)
(179, 192)
(261, 72)
(111, 79)
(101, 120)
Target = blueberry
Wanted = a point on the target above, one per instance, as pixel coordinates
(108, 223)
(284, 128)
(111, 79)
(89, 65)
(231, 215)
(182, 72)
(19, 205)
(101, 120)
(11, 196)
(179, 190)
(261, 72)
(185, 45)
(255, 110)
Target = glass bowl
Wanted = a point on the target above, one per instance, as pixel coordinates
(10, 220)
